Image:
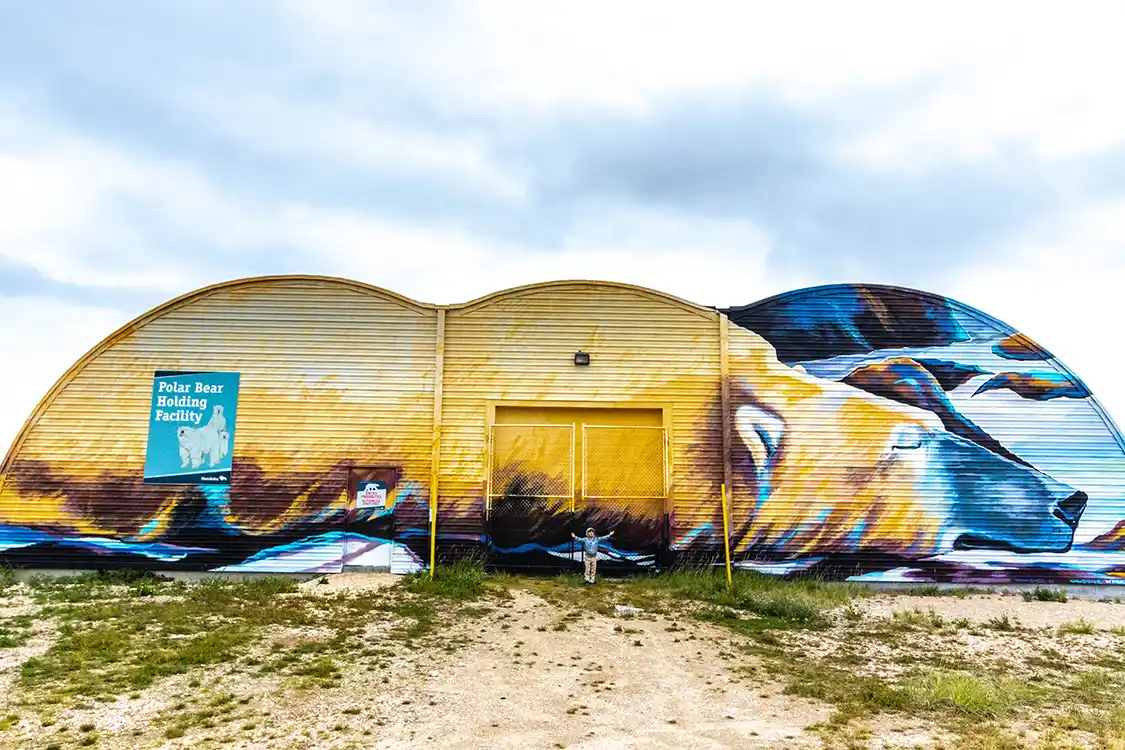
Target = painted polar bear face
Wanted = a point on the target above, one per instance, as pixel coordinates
(822, 467)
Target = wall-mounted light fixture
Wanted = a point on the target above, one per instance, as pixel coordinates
(581, 358)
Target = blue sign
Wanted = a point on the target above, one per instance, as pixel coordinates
(191, 428)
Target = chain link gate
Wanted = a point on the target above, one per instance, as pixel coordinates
(625, 485)
(530, 493)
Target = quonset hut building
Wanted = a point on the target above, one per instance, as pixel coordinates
(310, 424)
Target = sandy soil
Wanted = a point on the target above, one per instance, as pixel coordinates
(598, 685)
(523, 684)
(349, 582)
(1102, 614)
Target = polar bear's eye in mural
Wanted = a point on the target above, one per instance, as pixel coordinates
(907, 437)
(760, 432)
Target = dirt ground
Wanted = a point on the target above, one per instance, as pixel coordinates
(603, 682)
(532, 673)
(1102, 615)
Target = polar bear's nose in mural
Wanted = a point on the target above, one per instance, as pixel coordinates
(1070, 510)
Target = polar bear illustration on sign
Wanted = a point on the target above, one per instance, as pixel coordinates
(195, 444)
(218, 420)
(211, 441)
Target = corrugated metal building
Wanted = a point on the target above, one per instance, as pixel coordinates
(311, 424)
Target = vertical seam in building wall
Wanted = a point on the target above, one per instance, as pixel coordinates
(435, 445)
(724, 399)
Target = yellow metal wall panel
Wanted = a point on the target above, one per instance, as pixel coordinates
(332, 375)
(578, 416)
(645, 348)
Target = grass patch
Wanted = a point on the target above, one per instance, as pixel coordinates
(109, 646)
(916, 619)
(932, 589)
(966, 694)
(1003, 623)
(801, 602)
(1041, 594)
(102, 584)
(462, 580)
(930, 693)
(1080, 626)
(15, 631)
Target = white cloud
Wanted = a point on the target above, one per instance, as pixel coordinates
(62, 194)
(341, 134)
(1061, 284)
(973, 76)
(960, 82)
(43, 339)
(707, 261)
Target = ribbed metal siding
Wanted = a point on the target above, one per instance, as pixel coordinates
(333, 375)
(854, 512)
(520, 348)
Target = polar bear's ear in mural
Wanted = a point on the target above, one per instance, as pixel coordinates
(760, 431)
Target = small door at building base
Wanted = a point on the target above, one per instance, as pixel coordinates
(369, 528)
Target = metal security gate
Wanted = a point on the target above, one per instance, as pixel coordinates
(625, 486)
(530, 493)
(546, 481)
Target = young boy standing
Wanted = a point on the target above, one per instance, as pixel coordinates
(590, 544)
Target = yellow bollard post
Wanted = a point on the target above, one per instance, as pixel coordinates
(726, 530)
(433, 535)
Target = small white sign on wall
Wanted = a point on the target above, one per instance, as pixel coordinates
(371, 495)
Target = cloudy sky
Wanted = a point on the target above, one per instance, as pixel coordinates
(719, 151)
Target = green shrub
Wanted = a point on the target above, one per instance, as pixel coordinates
(916, 619)
(462, 580)
(1077, 627)
(1002, 622)
(966, 694)
(1040, 594)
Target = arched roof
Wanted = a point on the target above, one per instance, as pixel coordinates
(519, 291)
(359, 286)
(918, 294)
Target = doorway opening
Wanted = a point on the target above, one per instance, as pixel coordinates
(554, 471)
(369, 526)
